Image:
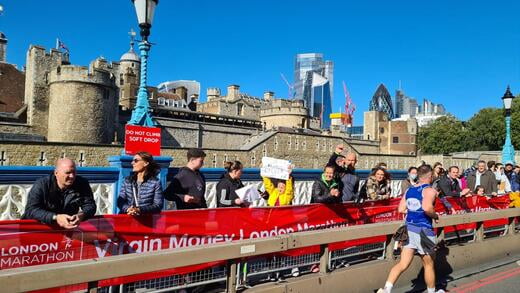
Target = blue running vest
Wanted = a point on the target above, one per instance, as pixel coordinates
(416, 215)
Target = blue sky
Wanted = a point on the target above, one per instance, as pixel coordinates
(459, 53)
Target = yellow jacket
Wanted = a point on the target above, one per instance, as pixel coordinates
(285, 198)
(515, 199)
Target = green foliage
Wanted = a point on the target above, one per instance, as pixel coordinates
(444, 135)
(485, 131)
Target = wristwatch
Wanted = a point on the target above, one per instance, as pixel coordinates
(55, 217)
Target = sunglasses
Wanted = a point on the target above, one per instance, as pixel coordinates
(136, 160)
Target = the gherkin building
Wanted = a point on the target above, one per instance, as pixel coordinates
(382, 102)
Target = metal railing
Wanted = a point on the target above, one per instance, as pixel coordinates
(93, 270)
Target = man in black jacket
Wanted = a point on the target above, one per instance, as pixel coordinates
(345, 172)
(58, 198)
(189, 185)
(449, 186)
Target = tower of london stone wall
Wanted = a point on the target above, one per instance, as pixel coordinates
(38, 66)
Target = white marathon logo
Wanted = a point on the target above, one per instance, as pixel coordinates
(413, 204)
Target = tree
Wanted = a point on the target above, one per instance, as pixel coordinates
(444, 135)
(485, 131)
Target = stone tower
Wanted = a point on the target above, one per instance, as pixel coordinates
(129, 71)
(3, 47)
(38, 66)
(83, 103)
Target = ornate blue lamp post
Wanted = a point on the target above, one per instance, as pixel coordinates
(145, 10)
(508, 151)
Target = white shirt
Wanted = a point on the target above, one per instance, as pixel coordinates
(477, 182)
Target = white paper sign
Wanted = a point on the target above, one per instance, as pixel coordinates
(275, 168)
(248, 193)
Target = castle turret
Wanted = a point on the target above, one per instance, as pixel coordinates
(129, 75)
(38, 65)
(212, 93)
(82, 104)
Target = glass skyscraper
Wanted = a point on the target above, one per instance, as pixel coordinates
(382, 102)
(313, 83)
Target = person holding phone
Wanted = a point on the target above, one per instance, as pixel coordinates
(62, 198)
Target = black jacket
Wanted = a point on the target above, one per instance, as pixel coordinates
(349, 186)
(448, 187)
(46, 200)
(226, 194)
(338, 170)
(321, 192)
(187, 181)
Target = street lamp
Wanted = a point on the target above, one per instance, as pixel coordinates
(508, 150)
(145, 10)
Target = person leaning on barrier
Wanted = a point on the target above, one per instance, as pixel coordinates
(230, 181)
(503, 184)
(279, 192)
(349, 181)
(508, 170)
(337, 160)
(410, 180)
(483, 177)
(377, 185)
(62, 197)
(188, 187)
(326, 188)
(345, 173)
(141, 192)
(438, 172)
(462, 179)
(418, 204)
(515, 178)
(449, 186)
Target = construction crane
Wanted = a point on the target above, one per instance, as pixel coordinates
(350, 107)
(290, 86)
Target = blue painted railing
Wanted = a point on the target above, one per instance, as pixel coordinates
(121, 167)
(29, 174)
(253, 174)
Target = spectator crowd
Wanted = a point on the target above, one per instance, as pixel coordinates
(64, 198)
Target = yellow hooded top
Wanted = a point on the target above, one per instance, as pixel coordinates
(285, 198)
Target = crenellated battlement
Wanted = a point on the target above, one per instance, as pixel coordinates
(73, 73)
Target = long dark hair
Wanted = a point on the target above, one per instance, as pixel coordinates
(151, 170)
(386, 176)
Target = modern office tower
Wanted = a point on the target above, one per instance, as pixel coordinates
(317, 98)
(400, 101)
(414, 107)
(382, 102)
(329, 74)
(405, 105)
(188, 91)
(439, 109)
(313, 83)
(304, 63)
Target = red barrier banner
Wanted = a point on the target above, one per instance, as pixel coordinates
(27, 243)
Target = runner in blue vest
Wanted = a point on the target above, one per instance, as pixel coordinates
(418, 204)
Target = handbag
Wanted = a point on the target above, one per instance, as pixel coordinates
(401, 234)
